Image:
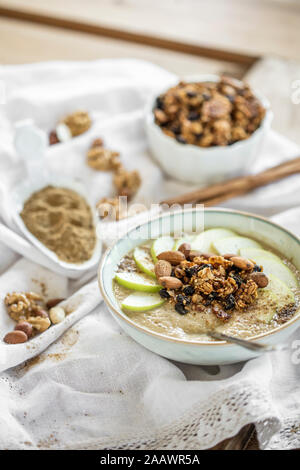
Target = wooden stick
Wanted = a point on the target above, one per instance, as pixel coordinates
(138, 38)
(222, 198)
(237, 186)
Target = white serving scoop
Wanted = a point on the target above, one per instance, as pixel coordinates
(31, 143)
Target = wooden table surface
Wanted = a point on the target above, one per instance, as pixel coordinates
(185, 37)
(253, 27)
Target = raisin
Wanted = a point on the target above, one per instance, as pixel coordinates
(191, 94)
(236, 269)
(191, 271)
(237, 279)
(257, 268)
(230, 302)
(210, 298)
(230, 98)
(183, 299)
(180, 309)
(164, 294)
(189, 290)
(208, 265)
(176, 129)
(159, 103)
(180, 139)
(193, 116)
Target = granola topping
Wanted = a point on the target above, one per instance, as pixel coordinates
(215, 282)
(208, 113)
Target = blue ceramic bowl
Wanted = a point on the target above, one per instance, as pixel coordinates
(198, 352)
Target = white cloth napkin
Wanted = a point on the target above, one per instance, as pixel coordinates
(94, 387)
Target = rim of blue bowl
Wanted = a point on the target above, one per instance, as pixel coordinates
(161, 336)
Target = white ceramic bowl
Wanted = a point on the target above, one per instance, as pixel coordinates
(186, 351)
(193, 164)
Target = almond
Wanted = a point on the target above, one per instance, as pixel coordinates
(25, 327)
(194, 254)
(185, 248)
(15, 337)
(170, 282)
(242, 263)
(207, 255)
(39, 313)
(229, 255)
(260, 279)
(174, 257)
(53, 302)
(162, 269)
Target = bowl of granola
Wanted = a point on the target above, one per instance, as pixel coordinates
(213, 270)
(207, 128)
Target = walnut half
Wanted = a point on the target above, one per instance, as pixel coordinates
(21, 304)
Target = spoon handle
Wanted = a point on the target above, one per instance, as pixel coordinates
(252, 345)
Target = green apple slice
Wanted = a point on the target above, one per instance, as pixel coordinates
(278, 269)
(234, 244)
(141, 302)
(253, 253)
(266, 306)
(144, 261)
(136, 281)
(204, 241)
(287, 296)
(272, 299)
(161, 244)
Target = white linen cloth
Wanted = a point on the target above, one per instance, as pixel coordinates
(93, 387)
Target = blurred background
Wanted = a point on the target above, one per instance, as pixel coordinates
(253, 39)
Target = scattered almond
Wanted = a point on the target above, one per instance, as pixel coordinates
(185, 248)
(260, 279)
(39, 313)
(194, 254)
(242, 263)
(15, 337)
(174, 257)
(25, 327)
(53, 302)
(206, 255)
(170, 282)
(162, 268)
(229, 255)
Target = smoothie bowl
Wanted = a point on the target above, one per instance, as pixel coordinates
(173, 279)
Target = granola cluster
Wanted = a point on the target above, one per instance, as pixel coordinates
(125, 182)
(208, 114)
(102, 159)
(222, 283)
(78, 122)
(72, 125)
